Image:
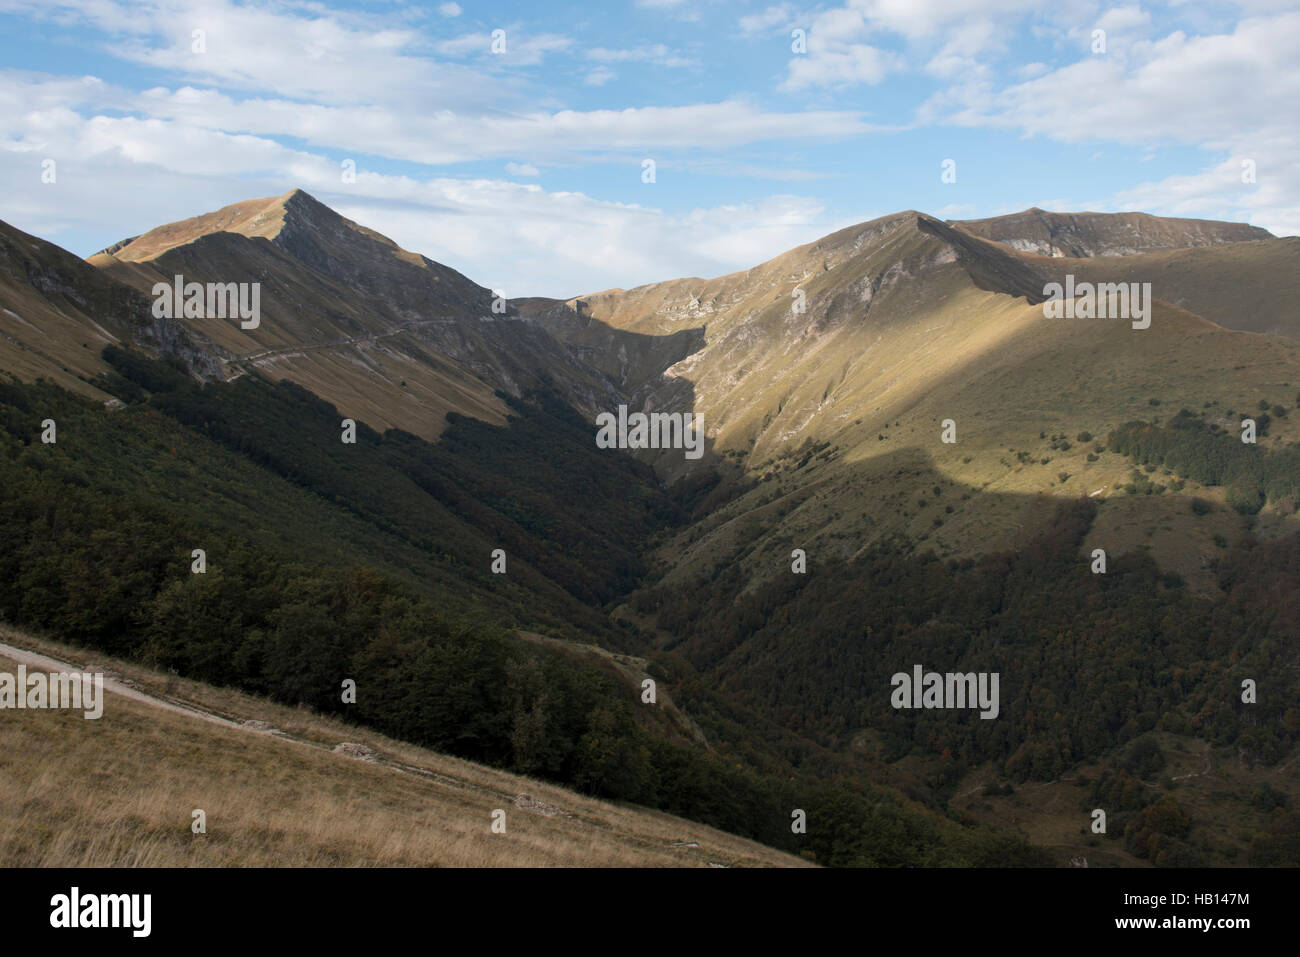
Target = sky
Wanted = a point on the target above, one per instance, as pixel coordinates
(557, 149)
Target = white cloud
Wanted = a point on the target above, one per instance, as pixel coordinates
(342, 83)
(854, 44)
(1231, 94)
(300, 51)
(444, 136)
(521, 48)
(1217, 192)
(1200, 90)
(450, 9)
(836, 65)
(136, 173)
(837, 54)
(921, 18)
(467, 44)
(658, 54)
(355, 83)
(781, 15)
(1125, 20)
(502, 234)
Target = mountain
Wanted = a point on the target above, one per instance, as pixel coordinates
(1248, 286)
(834, 412)
(1086, 235)
(503, 587)
(388, 336)
(822, 375)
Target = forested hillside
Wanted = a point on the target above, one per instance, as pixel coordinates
(327, 561)
(1090, 665)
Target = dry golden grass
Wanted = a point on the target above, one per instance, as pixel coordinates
(120, 791)
(1006, 376)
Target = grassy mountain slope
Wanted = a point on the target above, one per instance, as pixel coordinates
(834, 414)
(276, 791)
(386, 335)
(57, 313)
(1247, 286)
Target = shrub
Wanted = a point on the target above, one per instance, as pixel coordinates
(1246, 499)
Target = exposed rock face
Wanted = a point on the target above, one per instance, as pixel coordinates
(752, 351)
(1086, 235)
(59, 312)
(354, 750)
(529, 803)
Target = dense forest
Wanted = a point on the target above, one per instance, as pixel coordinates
(1087, 661)
(1089, 664)
(1211, 455)
(326, 561)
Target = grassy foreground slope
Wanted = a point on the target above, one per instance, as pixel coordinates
(120, 791)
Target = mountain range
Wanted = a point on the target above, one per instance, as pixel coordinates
(891, 400)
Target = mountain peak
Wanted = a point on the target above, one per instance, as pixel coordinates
(262, 218)
(299, 200)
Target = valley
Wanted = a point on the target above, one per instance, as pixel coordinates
(895, 402)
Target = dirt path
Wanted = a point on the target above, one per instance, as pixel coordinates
(298, 350)
(128, 689)
(121, 687)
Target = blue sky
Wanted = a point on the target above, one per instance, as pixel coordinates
(523, 168)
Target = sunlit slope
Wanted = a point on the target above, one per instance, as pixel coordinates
(836, 411)
(1020, 391)
(389, 336)
(780, 338)
(1251, 286)
(313, 332)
